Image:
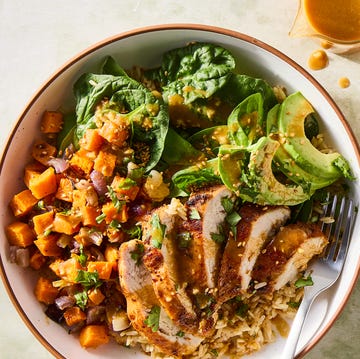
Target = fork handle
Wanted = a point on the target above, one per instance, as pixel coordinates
(295, 331)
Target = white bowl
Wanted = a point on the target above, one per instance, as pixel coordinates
(144, 47)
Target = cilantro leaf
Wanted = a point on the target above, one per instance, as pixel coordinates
(137, 253)
(153, 318)
(304, 282)
(118, 204)
(194, 214)
(81, 299)
(220, 236)
(88, 279)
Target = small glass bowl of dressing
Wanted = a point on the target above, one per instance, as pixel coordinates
(335, 23)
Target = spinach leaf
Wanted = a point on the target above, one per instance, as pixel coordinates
(147, 113)
(240, 86)
(194, 177)
(178, 151)
(194, 71)
(245, 121)
(111, 67)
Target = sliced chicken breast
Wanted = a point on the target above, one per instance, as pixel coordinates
(162, 259)
(287, 255)
(256, 227)
(143, 305)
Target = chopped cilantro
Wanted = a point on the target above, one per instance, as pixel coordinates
(152, 321)
(100, 218)
(88, 279)
(134, 232)
(127, 183)
(114, 224)
(180, 334)
(294, 304)
(81, 299)
(214, 352)
(220, 236)
(242, 309)
(227, 204)
(304, 282)
(118, 204)
(82, 257)
(157, 231)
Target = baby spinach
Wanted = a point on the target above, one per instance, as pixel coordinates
(194, 71)
(146, 112)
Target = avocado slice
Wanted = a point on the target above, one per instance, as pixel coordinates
(284, 162)
(248, 172)
(292, 114)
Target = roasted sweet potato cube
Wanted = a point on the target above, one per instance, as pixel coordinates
(22, 203)
(45, 292)
(103, 268)
(43, 184)
(66, 270)
(105, 163)
(20, 234)
(96, 296)
(112, 213)
(114, 133)
(43, 152)
(37, 260)
(89, 215)
(67, 224)
(91, 140)
(83, 160)
(52, 122)
(43, 222)
(91, 336)
(65, 190)
(125, 187)
(47, 245)
(74, 315)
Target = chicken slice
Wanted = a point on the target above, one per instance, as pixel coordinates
(256, 227)
(162, 259)
(288, 254)
(142, 303)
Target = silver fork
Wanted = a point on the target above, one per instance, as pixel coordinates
(338, 220)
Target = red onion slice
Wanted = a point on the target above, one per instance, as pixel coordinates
(99, 182)
(60, 165)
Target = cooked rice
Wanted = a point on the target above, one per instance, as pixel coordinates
(236, 336)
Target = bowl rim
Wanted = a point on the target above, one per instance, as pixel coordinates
(165, 27)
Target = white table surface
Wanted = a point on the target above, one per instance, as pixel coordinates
(37, 36)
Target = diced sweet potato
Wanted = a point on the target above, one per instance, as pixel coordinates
(89, 215)
(37, 260)
(91, 140)
(96, 296)
(22, 203)
(67, 224)
(52, 122)
(103, 268)
(43, 222)
(125, 187)
(74, 315)
(45, 292)
(112, 255)
(65, 190)
(114, 133)
(44, 184)
(43, 152)
(91, 336)
(66, 270)
(83, 160)
(105, 163)
(20, 234)
(47, 245)
(113, 213)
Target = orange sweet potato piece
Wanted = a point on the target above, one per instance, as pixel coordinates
(22, 203)
(96, 296)
(74, 315)
(51, 122)
(43, 152)
(65, 190)
(91, 140)
(83, 160)
(45, 292)
(66, 269)
(37, 260)
(111, 254)
(114, 133)
(32, 170)
(20, 234)
(67, 224)
(105, 163)
(113, 213)
(125, 187)
(89, 215)
(43, 184)
(91, 336)
(47, 245)
(43, 222)
(103, 268)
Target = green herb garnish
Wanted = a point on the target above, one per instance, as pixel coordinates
(152, 321)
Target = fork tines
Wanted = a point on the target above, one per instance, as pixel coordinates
(336, 225)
